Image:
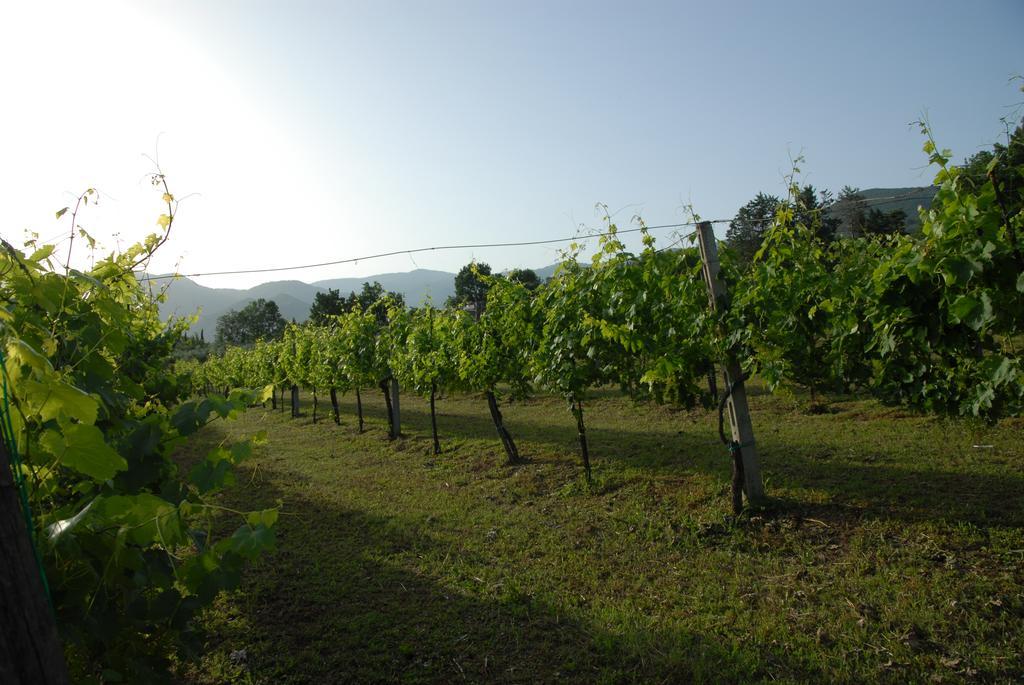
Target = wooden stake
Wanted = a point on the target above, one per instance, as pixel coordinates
(359, 409)
(396, 407)
(385, 388)
(334, 406)
(433, 418)
(30, 651)
(738, 410)
(506, 438)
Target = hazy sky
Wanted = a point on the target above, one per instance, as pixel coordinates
(312, 131)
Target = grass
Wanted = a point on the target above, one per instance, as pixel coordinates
(892, 551)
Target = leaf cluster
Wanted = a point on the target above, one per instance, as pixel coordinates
(96, 410)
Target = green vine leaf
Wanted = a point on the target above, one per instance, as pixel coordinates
(81, 447)
(55, 398)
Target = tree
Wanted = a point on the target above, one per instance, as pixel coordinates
(528, 277)
(192, 347)
(852, 216)
(877, 222)
(471, 286)
(259, 320)
(373, 298)
(747, 230)
(811, 210)
(849, 209)
(325, 306)
(369, 295)
(975, 167)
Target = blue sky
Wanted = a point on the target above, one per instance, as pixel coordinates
(317, 131)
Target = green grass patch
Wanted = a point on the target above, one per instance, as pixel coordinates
(892, 551)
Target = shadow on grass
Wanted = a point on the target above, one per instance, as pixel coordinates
(340, 601)
(890, 484)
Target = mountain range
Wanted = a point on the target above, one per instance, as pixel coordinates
(185, 297)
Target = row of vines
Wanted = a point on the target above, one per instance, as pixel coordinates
(638, 322)
(930, 321)
(101, 530)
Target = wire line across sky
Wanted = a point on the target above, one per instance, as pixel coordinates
(351, 260)
(476, 246)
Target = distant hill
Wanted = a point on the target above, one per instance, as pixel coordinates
(297, 290)
(907, 199)
(546, 272)
(294, 298)
(186, 297)
(416, 286)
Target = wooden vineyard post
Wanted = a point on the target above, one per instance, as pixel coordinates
(738, 411)
(30, 651)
